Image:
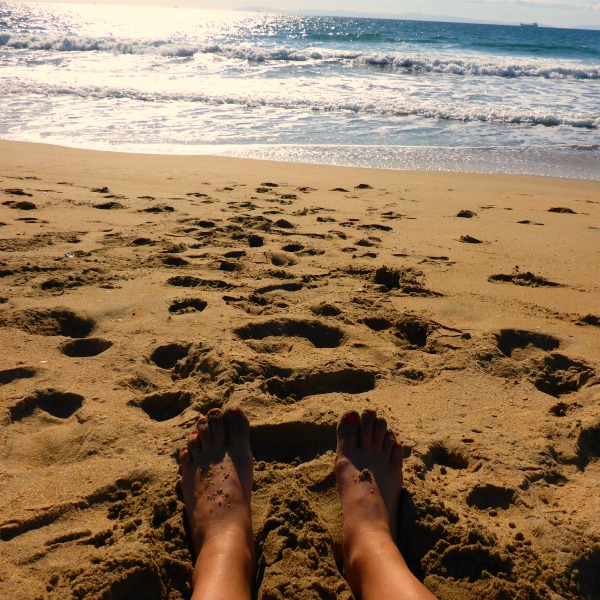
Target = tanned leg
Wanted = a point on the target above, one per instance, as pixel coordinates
(217, 471)
(368, 470)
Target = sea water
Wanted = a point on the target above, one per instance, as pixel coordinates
(332, 90)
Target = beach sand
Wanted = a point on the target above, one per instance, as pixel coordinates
(138, 291)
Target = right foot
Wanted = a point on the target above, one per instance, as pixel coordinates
(216, 480)
(368, 470)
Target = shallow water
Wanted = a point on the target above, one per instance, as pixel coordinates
(367, 92)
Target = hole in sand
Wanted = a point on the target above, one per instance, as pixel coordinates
(414, 330)
(175, 261)
(85, 347)
(523, 279)
(324, 309)
(166, 357)
(187, 305)
(58, 404)
(557, 375)
(587, 572)
(301, 385)
(293, 248)
(588, 444)
(487, 495)
(469, 562)
(57, 321)
(511, 339)
(189, 281)
(319, 334)
(285, 442)
(164, 406)
(377, 323)
(295, 286)
(10, 375)
(441, 454)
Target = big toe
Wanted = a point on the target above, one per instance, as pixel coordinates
(348, 431)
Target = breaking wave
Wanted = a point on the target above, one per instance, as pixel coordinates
(508, 68)
(429, 110)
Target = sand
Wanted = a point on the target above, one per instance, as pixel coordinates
(138, 291)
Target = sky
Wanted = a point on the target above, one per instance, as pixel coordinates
(556, 13)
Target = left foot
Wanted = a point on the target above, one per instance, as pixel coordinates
(217, 471)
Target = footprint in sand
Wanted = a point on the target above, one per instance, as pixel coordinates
(55, 403)
(467, 239)
(85, 347)
(164, 406)
(109, 206)
(520, 344)
(558, 375)
(319, 334)
(484, 496)
(187, 305)
(49, 322)
(527, 279)
(9, 375)
(562, 210)
(196, 282)
(290, 441)
(330, 379)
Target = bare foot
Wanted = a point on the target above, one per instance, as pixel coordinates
(217, 472)
(368, 470)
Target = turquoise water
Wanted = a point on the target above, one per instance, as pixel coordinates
(368, 92)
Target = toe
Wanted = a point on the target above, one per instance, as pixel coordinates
(204, 433)
(388, 443)
(367, 424)
(194, 448)
(379, 431)
(217, 427)
(237, 428)
(347, 432)
(185, 458)
(397, 456)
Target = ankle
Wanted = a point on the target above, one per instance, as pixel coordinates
(366, 553)
(228, 557)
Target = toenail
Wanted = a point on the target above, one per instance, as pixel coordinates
(195, 432)
(213, 412)
(202, 420)
(351, 419)
(236, 412)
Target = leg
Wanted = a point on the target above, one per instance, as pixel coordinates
(217, 471)
(368, 470)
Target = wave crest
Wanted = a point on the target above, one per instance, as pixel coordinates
(428, 110)
(417, 64)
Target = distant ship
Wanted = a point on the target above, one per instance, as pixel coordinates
(529, 24)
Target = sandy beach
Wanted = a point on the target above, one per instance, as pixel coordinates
(138, 291)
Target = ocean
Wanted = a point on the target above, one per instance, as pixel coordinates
(331, 90)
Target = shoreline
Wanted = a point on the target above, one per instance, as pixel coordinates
(139, 291)
(558, 163)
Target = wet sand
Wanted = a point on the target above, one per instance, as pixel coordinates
(138, 291)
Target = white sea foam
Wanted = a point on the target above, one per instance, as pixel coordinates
(476, 66)
(383, 107)
(179, 81)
